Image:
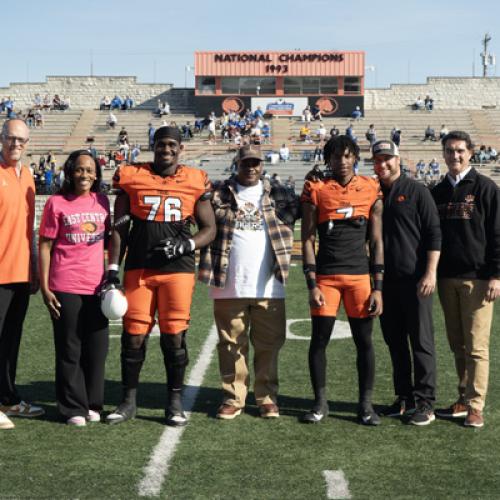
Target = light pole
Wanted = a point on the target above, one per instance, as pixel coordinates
(186, 69)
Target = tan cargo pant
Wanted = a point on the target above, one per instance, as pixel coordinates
(263, 323)
(468, 319)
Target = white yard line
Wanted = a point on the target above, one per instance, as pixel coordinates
(156, 471)
(337, 485)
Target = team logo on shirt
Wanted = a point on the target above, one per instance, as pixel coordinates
(401, 198)
(470, 198)
(88, 227)
(249, 218)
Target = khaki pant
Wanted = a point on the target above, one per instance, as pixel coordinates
(263, 322)
(468, 319)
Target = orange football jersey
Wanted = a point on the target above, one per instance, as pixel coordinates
(334, 201)
(162, 199)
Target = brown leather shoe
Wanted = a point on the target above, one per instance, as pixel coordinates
(474, 418)
(269, 410)
(456, 410)
(228, 412)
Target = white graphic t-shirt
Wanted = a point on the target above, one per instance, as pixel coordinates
(250, 272)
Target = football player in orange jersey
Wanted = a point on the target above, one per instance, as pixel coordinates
(345, 211)
(153, 213)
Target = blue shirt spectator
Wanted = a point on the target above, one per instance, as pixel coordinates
(117, 102)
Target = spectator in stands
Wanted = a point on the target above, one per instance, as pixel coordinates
(128, 103)
(39, 121)
(419, 104)
(2, 105)
(321, 132)
(37, 101)
(91, 149)
(356, 114)
(435, 169)
(66, 102)
(371, 135)
(151, 134)
(30, 118)
(396, 136)
(334, 131)
(136, 151)
(318, 154)
(9, 108)
(111, 120)
(211, 131)
(443, 131)
(316, 112)
(117, 102)
(122, 136)
(266, 133)
(305, 133)
(48, 181)
(166, 109)
(420, 169)
(187, 132)
(492, 154)
(258, 113)
(306, 114)
(284, 153)
(429, 134)
(429, 103)
(349, 131)
(56, 102)
(47, 102)
(275, 178)
(105, 104)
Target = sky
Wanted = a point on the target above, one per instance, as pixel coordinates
(405, 41)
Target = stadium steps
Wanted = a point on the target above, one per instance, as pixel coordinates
(78, 138)
(280, 132)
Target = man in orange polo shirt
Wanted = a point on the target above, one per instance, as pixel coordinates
(18, 276)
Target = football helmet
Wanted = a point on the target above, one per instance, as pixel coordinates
(114, 304)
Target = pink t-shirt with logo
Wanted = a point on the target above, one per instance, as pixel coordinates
(78, 225)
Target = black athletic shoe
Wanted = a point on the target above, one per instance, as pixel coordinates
(423, 415)
(367, 415)
(400, 407)
(126, 411)
(318, 413)
(174, 414)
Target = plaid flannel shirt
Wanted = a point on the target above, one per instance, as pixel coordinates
(280, 207)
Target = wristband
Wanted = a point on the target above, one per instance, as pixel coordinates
(309, 268)
(378, 285)
(377, 268)
(192, 244)
(113, 267)
(311, 283)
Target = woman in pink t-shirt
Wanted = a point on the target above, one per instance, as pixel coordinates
(73, 231)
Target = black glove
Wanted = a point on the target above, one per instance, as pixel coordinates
(173, 248)
(111, 280)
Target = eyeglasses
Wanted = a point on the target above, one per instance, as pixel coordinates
(13, 139)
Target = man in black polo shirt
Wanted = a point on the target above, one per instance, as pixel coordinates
(412, 242)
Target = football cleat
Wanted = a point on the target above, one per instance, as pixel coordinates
(367, 416)
(126, 411)
(114, 304)
(318, 413)
(174, 414)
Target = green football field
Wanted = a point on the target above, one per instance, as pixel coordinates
(247, 458)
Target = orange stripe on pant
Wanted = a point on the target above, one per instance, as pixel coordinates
(353, 289)
(147, 291)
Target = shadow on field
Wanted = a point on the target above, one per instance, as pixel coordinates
(152, 395)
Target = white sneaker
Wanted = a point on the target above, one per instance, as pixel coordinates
(77, 421)
(93, 416)
(5, 421)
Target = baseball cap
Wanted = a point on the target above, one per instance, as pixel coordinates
(385, 147)
(249, 152)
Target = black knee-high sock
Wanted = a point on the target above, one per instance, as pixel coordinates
(365, 360)
(133, 354)
(322, 327)
(175, 357)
